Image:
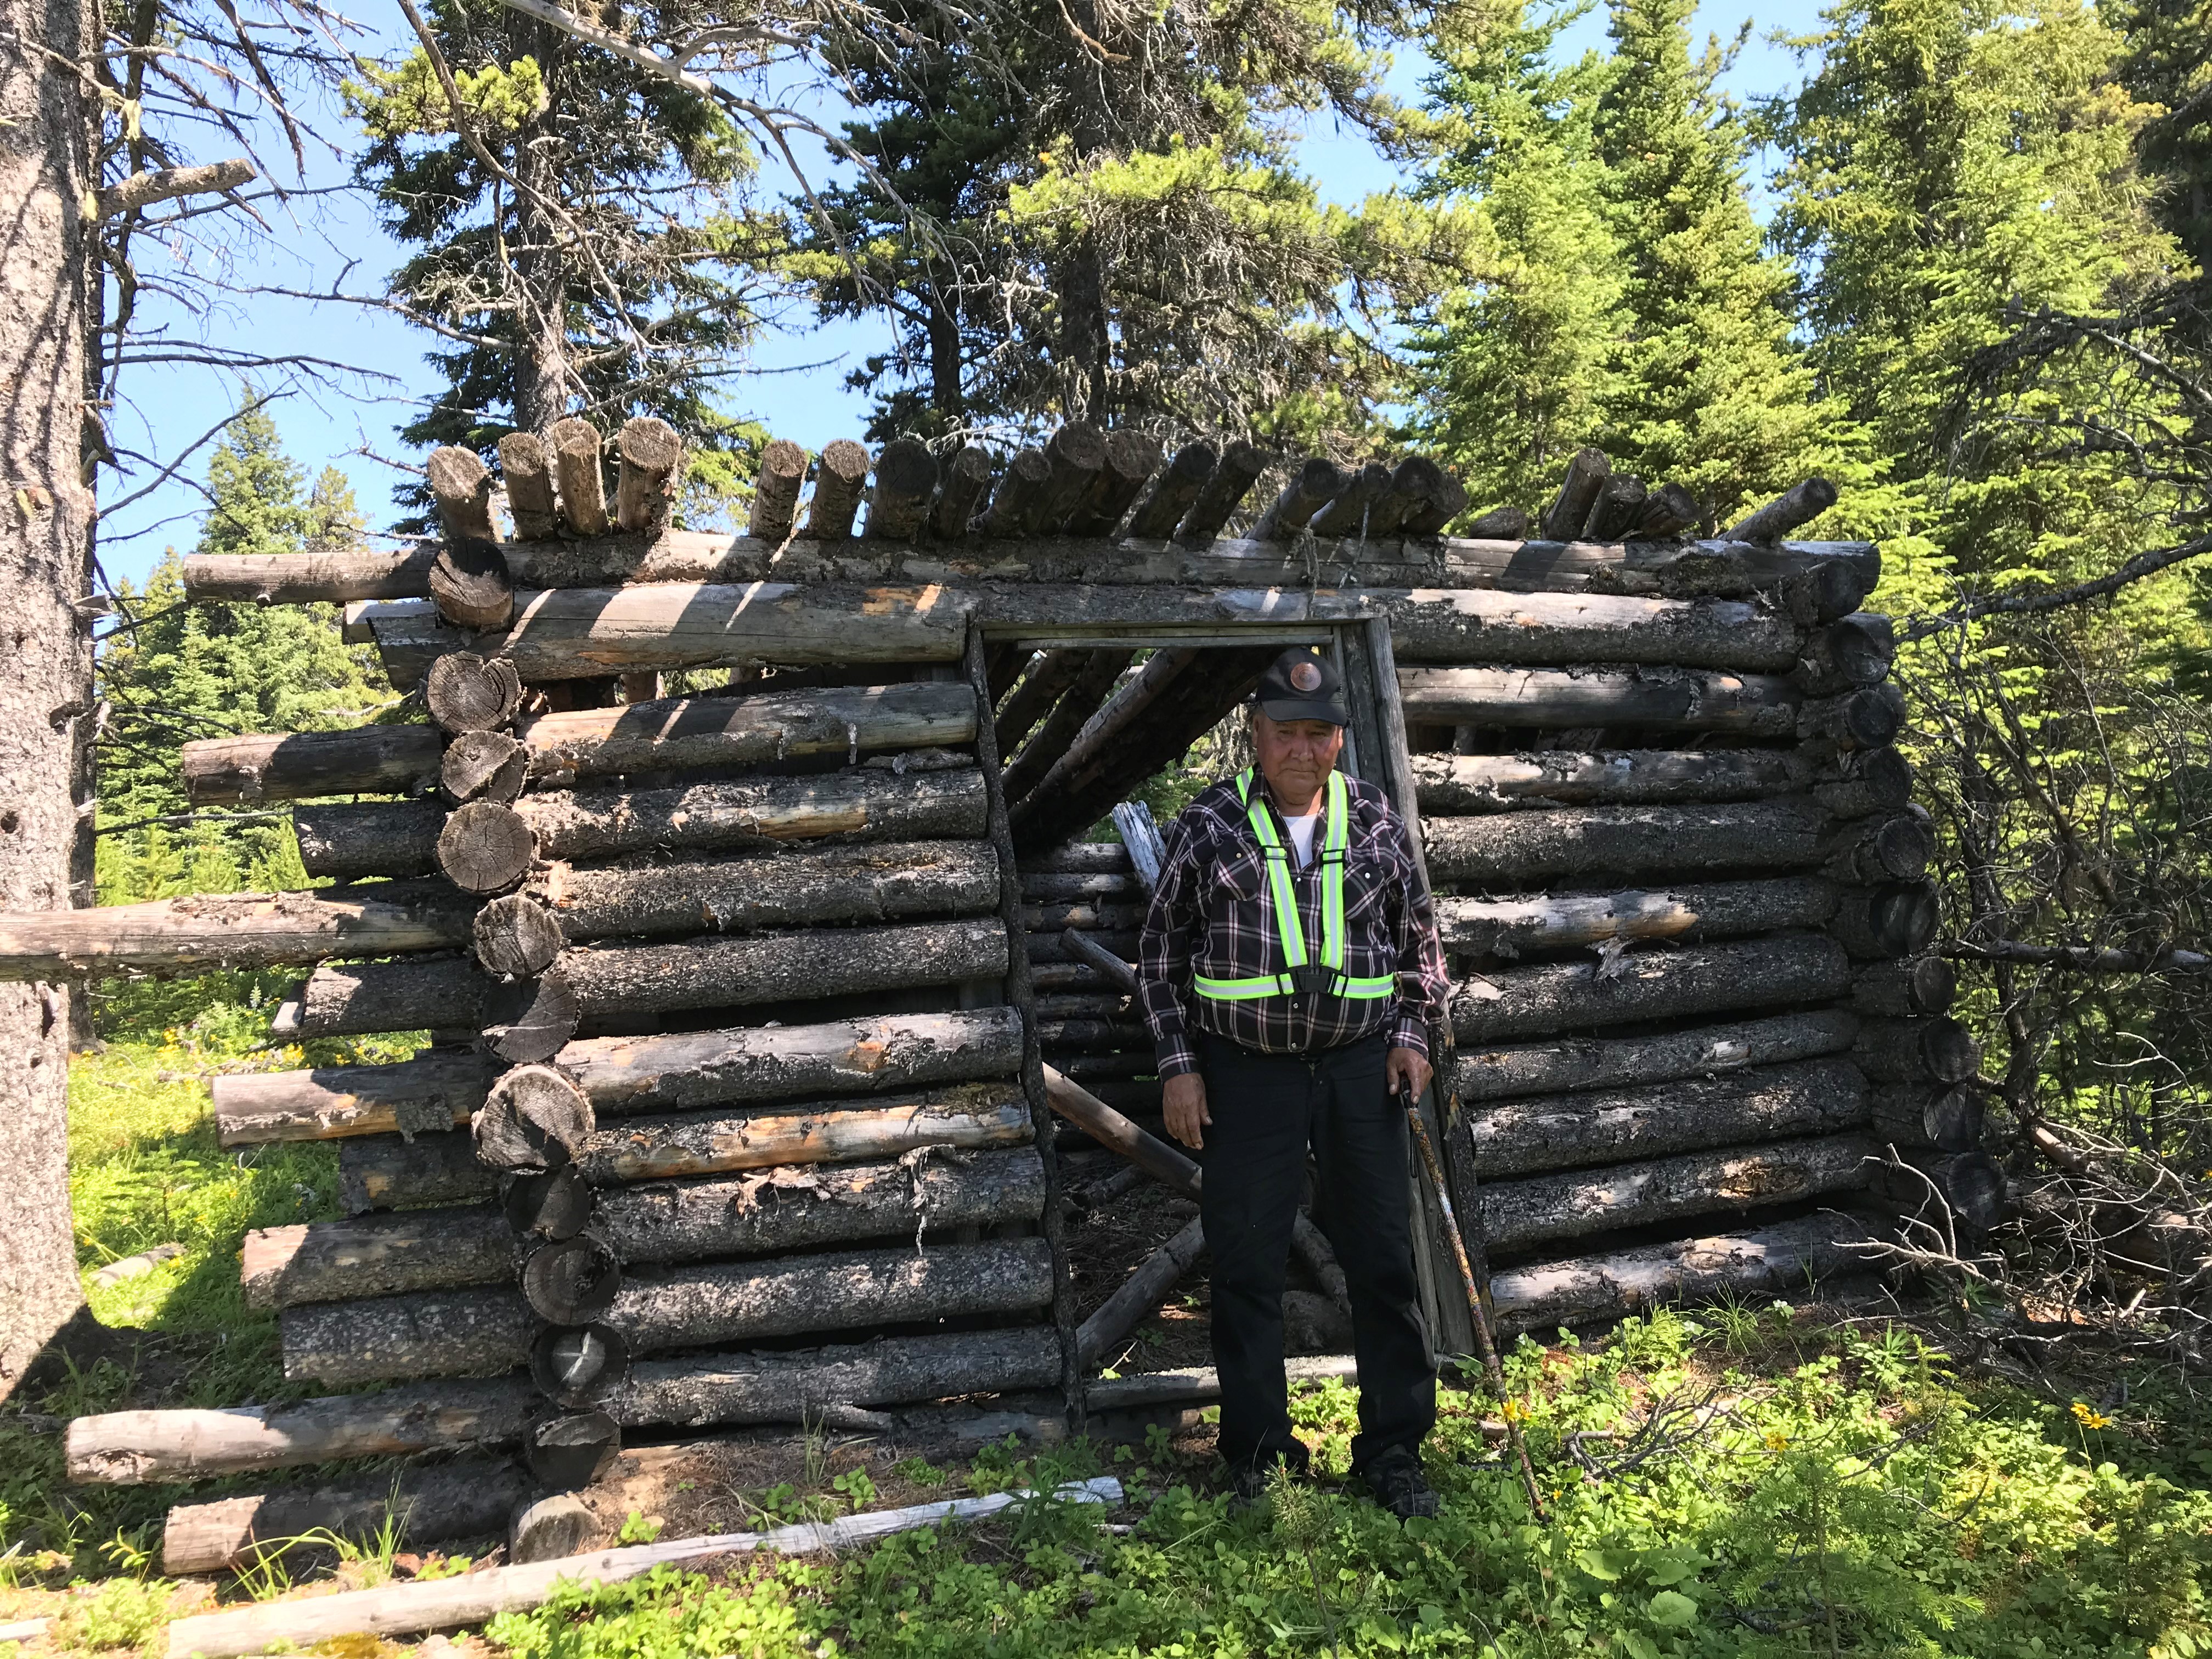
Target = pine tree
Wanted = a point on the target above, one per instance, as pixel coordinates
(2168, 63)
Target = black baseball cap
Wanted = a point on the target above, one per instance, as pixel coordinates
(1302, 684)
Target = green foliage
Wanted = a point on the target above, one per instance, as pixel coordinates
(638, 1529)
(408, 100)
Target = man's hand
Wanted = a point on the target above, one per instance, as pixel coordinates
(1404, 1068)
(1184, 1097)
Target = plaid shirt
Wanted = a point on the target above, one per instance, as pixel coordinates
(1211, 916)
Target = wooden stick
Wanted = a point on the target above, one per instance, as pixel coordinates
(1587, 472)
(1084, 948)
(1134, 1299)
(1110, 1129)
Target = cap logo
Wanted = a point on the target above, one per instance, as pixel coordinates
(1305, 676)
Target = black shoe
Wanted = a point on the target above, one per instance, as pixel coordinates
(1395, 1481)
(1248, 1482)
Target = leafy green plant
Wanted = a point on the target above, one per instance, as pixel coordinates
(858, 1487)
(639, 1529)
(921, 1471)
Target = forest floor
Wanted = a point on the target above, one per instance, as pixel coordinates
(1739, 1479)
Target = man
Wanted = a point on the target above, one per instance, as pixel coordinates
(1289, 968)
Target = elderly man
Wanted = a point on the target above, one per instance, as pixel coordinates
(1290, 970)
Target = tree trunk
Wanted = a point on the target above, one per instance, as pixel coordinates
(686, 1070)
(1052, 886)
(1863, 783)
(1880, 849)
(1602, 1289)
(1116, 972)
(1090, 918)
(1107, 730)
(468, 582)
(1475, 625)
(387, 1172)
(1080, 858)
(1925, 1116)
(1077, 455)
(1654, 699)
(469, 1497)
(376, 1255)
(1136, 1298)
(372, 760)
(149, 1448)
(1519, 1213)
(973, 1115)
(369, 838)
(1728, 909)
(757, 813)
(1311, 488)
(1704, 979)
(1131, 457)
(1518, 848)
(434, 1092)
(867, 881)
(737, 972)
(786, 1388)
(1566, 1132)
(1540, 1068)
(1848, 653)
(1458, 784)
(336, 576)
(1939, 1050)
(1110, 1129)
(528, 1020)
(231, 930)
(479, 1332)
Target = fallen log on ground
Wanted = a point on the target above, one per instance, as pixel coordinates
(739, 971)
(376, 1255)
(1704, 979)
(1519, 1213)
(1452, 784)
(376, 760)
(232, 930)
(1137, 1296)
(1574, 1063)
(1729, 909)
(433, 1091)
(1565, 1132)
(469, 1497)
(1653, 698)
(1626, 841)
(758, 813)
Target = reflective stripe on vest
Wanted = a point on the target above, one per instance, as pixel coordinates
(1283, 904)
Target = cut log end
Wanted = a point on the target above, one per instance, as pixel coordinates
(533, 1118)
(483, 765)
(469, 693)
(516, 937)
(485, 847)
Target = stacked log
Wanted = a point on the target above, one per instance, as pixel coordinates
(1083, 905)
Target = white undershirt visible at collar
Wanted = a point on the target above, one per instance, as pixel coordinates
(1301, 836)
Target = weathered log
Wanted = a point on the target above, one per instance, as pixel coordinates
(526, 467)
(967, 476)
(329, 575)
(1056, 947)
(376, 760)
(1087, 692)
(1091, 1035)
(1138, 1297)
(387, 1172)
(527, 1020)
(1038, 887)
(1238, 469)
(1824, 590)
(1132, 458)
(485, 847)
(689, 1069)
(1662, 699)
(1451, 784)
(1870, 719)
(865, 881)
(1077, 455)
(1944, 1187)
(1077, 1006)
(1728, 909)
(1019, 492)
(1897, 989)
(1081, 858)
(1444, 498)
(572, 1281)
(1110, 1129)
(1798, 505)
(1311, 488)
(1049, 676)
(433, 1092)
(483, 765)
(1567, 1132)
(1853, 651)
(1581, 1063)
(784, 1387)
(1519, 1213)
(775, 492)
(576, 445)
(515, 937)
(1602, 1289)
(376, 1255)
(1895, 921)
(1087, 1068)
(1104, 738)
(1618, 509)
(1938, 1050)
(146, 1448)
(461, 488)
(1928, 1116)
(1480, 625)
(1346, 513)
(1086, 949)
(757, 814)
(1587, 472)
(469, 693)
(968, 1114)
(1159, 514)
(231, 930)
(1500, 524)
(547, 1203)
(532, 1118)
(650, 453)
(348, 840)
(1667, 512)
(549, 1529)
(906, 483)
(1704, 979)
(575, 1365)
(1516, 848)
(737, 972)
(1882, 849)
(477, 1331)
(470, 584)
(441, 994)
(1863, 783)
(726, 1302)
(469, 1497)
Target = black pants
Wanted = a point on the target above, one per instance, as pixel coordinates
(1266, 1110)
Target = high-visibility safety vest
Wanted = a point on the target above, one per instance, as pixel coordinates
(1327, 976)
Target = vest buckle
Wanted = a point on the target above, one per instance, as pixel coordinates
(1313, 976)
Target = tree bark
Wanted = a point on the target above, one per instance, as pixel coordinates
(1136, 1298)
(1020, 490)
(475, 1332)
(231, 930)
(1159, 514)
(469, 1497)
(532, 1118)
(1601, 1289)
(1704, 979)
(1575, 1063)
(571, 1282)
(1081, 858)
(389, 1172)
(375, 760)
(652, 457)
(1863, 783)
(431, 1093)
(1566, 1132)
(1066, 888)
(841, 473)
(1519, 1213)
(1667, 512)
(376, 1255)
(347, 839)
(462, 490)
(963, 1115)
(445, 993)
(1455, 784)
(583, 484)
(1653, 698)
(737, 972)
(1435, 498)
(1850, 653)
(1217, 498)
(775, 492)
(1087, 917)
(528, 1020)
(526, 467)
(1728, 909)
(1587, 472)
(1518, 847)
(1857, 719)
(1475, 625)
(149, 1448)
(757, 813)
(1617, 508)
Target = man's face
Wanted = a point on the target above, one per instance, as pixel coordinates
(1295, 756)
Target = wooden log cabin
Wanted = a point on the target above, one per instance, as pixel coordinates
(734, 1105)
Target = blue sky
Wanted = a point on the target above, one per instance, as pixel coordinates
(796, 387)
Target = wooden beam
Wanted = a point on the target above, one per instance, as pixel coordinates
(1690, 913)
(1702, 979)
(1651, 699)
(467, 1497)
(374, 761)
(1452, 784)
(1501, 1071)
(1511, 849)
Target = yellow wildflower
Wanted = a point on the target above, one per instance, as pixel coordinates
(1776, 1441)
(2088, 1418)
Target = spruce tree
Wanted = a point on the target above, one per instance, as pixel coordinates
(2168, 63)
